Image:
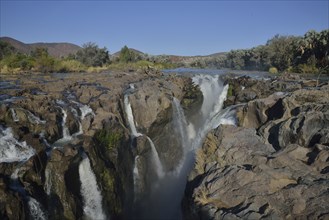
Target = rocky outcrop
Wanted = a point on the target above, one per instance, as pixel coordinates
(273, 165)
(94, 104)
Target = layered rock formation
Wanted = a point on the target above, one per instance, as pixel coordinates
(274, 164)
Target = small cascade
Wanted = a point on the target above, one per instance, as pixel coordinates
(66, 137)
(84, 110)
(130, 117)
(156, 159)
(136, 175)
(79, 132)
(66, 132)
(90, 192)
(48, 182)
(12, 150)
(35, 209)
(33, 118)
(14, 115)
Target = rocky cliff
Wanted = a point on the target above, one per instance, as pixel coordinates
(274, 163)
(66, 146)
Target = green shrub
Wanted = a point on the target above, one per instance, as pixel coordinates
(273, 70)
(108, 139)
(230, 90)
(306, 68)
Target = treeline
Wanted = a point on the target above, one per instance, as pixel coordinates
(90, 58)
(307, 54)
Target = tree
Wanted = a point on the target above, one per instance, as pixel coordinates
(92, 55)
(43, 62)
(6, 49)
(281, 51)
(127, 55)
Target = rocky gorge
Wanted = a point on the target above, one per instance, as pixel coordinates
(149, 145)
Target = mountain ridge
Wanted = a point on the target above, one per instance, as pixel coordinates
(58, 50)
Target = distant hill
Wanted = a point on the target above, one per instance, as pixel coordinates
(54, 49)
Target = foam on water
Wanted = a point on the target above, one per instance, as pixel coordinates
(35, 209)
(90, 192)
(11, 150)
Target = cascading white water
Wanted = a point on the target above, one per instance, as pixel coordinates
(214, 95)
(134, 133)
(35, 209)
(48, 182)
(130, 117)
(156, 159)
(66, 132)
(33, 118)
(91, 195)
(180, 123)
(136, 176)
(84, 110)
(165, 200)
(11, 150)
(14, 115)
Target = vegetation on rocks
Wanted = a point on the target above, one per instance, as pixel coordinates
(108, 139)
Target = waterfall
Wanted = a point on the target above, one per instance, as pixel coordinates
(136, 175)
(11, 150)
(48, 182)
(84, 110)
(35, 209)
(214, 95)
(130, 117)
(156, 159)
(180, 123)
(66, 132)
(91, 195)
(33, 118)
(14, 115)
(66, 137)
(33, 205)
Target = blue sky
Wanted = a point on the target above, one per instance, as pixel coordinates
(161, 27)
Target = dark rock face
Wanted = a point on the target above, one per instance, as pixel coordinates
(274, 165)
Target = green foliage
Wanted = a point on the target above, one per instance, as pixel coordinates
(307, 54)
(273, 70)
(91, 55)
(42, 61)
(230, 91)
(127, 55)
(16, 62)
(109, 186)
(6, 49)
(108, 139)
(281, 51)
